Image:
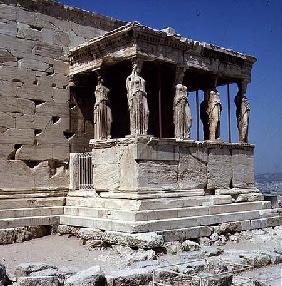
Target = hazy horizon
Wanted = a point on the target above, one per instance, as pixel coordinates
(252, 27)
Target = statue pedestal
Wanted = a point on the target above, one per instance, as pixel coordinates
(149, 164)
(176, 188)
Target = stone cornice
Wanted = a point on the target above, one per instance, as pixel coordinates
(154, 44)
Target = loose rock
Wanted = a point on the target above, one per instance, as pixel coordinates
(189, 245)
(28, 269)
(92, 276)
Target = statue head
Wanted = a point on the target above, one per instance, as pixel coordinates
(180, 90)
(136, 68)
(212, 94)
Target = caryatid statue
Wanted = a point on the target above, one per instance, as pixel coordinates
(242, 113)
(102, 112)
(214, 109)
(182, 116)
(137, 102)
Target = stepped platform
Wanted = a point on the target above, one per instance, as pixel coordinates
(30, 208)
(172, 216)
(176, 188)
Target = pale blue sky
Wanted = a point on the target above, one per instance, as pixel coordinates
(250, 26)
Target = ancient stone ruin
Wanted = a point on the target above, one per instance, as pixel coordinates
(96, 129)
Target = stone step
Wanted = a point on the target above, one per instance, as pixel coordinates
(164, 224)
(35, 194)
(204, 220)
(200, 231)
(141, 195)
(28, 221)
(30, 212)
(31, 203)
(148, 204)
(104, 224)
(164, 213)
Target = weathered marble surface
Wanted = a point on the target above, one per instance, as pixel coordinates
(161, 164)
(34, 94)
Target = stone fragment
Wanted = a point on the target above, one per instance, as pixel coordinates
(29, 269)
(7, 236)
(140, 240)
(132, 277)
(147, 264)
(214, 237)
(141, 255)
(45, 273)
(64, 273)
(38, 281)
(276, 258)
(234, 238)
(205, 241)
(213, 251)
(221, 240)
(229, 228)
(90, 234)
(194, 267)
(173, 247)
(257, 259)
(30, 232)
(92, 276)
(20, 234)
(189, 245)
(92, 243)
(215, 280)
(66, 229)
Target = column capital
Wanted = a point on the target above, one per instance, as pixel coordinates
(242, 85)
(179, 74)
(213, 81)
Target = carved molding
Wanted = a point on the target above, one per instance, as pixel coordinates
(134, 40)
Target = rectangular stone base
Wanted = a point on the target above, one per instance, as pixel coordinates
(146, 163)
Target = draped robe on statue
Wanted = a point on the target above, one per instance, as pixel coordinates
(182, 113)
(137, 103)
(102, 113)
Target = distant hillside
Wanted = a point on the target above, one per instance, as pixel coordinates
(270, 183)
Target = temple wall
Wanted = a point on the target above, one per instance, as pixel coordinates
(35, 132)
(167, 164)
